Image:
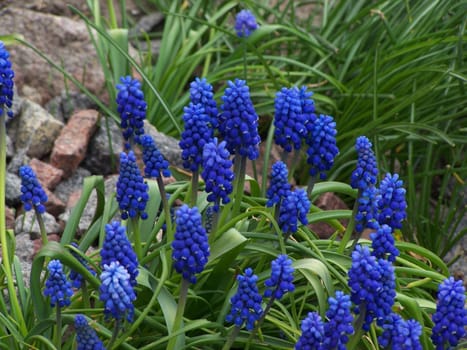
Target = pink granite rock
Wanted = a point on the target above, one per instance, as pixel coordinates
(48, 175)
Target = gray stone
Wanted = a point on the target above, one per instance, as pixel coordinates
(99, 158)
(27, 223)
(74, 183)
(25, 253)
(167, 145)
(12, 189)
(10, 148)
(19, 159)
(147, 23)
(37, 130)
(66, 104)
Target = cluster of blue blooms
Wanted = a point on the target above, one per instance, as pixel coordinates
(86, 336)
(57, 286)
(32, 194)
(6, 82)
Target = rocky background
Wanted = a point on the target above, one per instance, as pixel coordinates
(60, 134)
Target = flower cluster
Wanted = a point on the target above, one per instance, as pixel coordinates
(322, 147)
(238, 121)
(366, 171)
(154, 162)
(132, 191)
(383, 243)
(312, 332)
(450, 318)
(86, 336)
(197, 133)
(391, 203)
(190, 246)
(293, 117)
(6, 82)
(339, 325)
(245, 23)
(246, 303)
(117, 247)
(279, 186)
(75, 277)
(217, 173)
(201, 93)
(57, 287)
(132, 109)
(294, 208)
(32, 194)
(281, 280)
(116, 292)
(400, 334)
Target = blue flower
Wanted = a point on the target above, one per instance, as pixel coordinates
(86, 337)
(201, 93)
(366, 171)
(190, 246)
(372, 283)
(75, 277)
(383, 243)
(197, 133)
(293, 117)
(117, 247)
(312, 332)
(245, 23)
(217, 172)
(367, 212)
(116, 292)
(322, 148)
(238, 121)
(279, 186)
(339, 325)
(391, 203)
(281, 280)
(6, 82)
(400, 334)
(154, 162)
(294, 208)
(132, 191)
(246, 303)
(132, 109)
(450, 317)
(57, 287)
(32, 194)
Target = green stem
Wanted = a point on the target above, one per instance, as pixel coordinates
(240, 176)
(58, 328)
(85, 293)
(194, 188)
(244, 60)
(115, 332)
(267, 156)
(351, 225)
(165, 204)
(356, 337)
(179, 314)
(137, 238)
(13, 295)
(231, 339)
(113, 18)
(40, 221)
(310, 185)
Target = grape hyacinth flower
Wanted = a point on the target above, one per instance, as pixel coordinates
(391, 203)
(57, 287)
(366, 171)
(279, 186)
(32, 194)
(322, 147)
(245, 23)
(75, 277)
(201, 92)
(339, 325)
(190, 246)
(117, 247)
(154, 162)
(450, 317)
(312, 332)
(238, 121)
(294, 208)
(116, 292)
(281, 280)
(197, 133)
(217, 173)
(6, 82)
(383, 243)
(132, 109)
(246, 303)
(132, 191)
(86, 337)
(367, 212)
(400, 334)
(293, 117)
(372, 283)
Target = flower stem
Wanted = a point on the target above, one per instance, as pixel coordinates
(231, 339)
(13, 295)
(239, 184)
(350, 226)
(115, 332)
(179, 314)
(194, 188)
(357, 328)
(165, 204)
(40, 221)
(58, 328)
(137, 238)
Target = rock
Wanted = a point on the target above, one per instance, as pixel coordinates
(54, 205)
(37, 243)
(65, 40)
(27, 223)
(25, 253)
(71, 185)
(71, 145)
(100, 159)
(68, 103)
(19, 159)
(10, 148)
(167, 145)
(147, 23)
(48, 175)
(37, 130)
(12, 189)
(9, 218)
